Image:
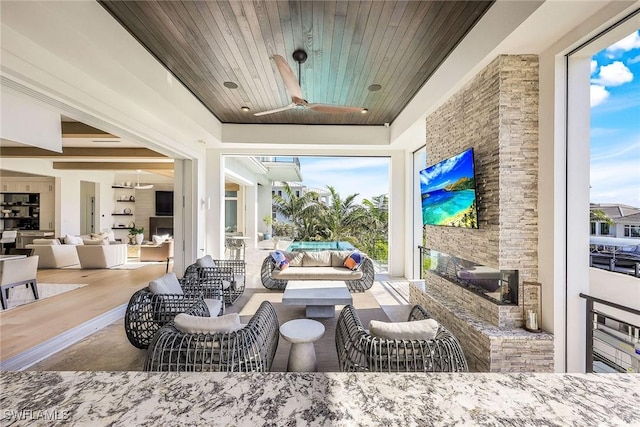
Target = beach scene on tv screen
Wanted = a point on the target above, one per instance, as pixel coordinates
(448, 192)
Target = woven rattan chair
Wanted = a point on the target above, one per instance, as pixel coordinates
(230, 275)
(360, 285)
(360, 351)
(250, 349)
(148, 312)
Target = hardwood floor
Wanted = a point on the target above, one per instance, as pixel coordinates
(23, 327)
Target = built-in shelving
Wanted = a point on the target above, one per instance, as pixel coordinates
(25, 211)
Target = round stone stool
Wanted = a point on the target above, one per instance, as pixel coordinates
(302, 333)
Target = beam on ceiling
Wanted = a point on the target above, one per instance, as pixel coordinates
(80, 130)
(112, 166)
(99, 152)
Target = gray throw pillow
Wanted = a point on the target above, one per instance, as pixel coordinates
(417, 330)
(207, 325)
(166, 284)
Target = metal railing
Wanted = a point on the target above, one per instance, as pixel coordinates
(610, 342)
(424, 254)
(294, 160)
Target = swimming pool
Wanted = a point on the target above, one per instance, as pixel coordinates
(320, 246)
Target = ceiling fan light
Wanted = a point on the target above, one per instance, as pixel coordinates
(245, 108)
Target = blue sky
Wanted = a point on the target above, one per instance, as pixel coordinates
(368, 176)
(615, 123)
(447, 172)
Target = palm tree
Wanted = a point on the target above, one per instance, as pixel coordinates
(298, 209)
(598, 215)
(343, 219)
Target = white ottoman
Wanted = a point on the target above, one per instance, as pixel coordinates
(302, 333)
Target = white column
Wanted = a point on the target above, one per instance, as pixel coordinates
(251, 214)
(397, 208)
(215, 214)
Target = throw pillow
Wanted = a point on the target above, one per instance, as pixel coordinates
(166, 284)
(280, 260)
(417, 330)
(207, 325)
(354, 260)
(157, 240)
(206, 261)
(99, 236)
(73, 240)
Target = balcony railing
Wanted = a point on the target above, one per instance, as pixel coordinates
(611, 343)
(294, 160)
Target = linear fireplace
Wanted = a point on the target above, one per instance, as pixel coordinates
(160, 225)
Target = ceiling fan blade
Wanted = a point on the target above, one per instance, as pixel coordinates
(263, 113)
(288, 76)
(324, 108)
(143, 187)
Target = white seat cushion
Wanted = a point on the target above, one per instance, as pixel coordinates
(207, 325)
(206, 261)
(417, 330)
(215, 306)
(166, 284)
(316, 273)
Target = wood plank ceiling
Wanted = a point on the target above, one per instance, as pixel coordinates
(351, 45)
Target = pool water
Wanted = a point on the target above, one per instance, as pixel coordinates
(320, 246)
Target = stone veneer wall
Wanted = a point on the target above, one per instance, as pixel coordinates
(486, 347)
(497, 115)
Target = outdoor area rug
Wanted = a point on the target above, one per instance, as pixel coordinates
(326, 353)
(21, 295)
(109, 350)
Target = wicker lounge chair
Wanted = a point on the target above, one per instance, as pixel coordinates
(250, 349)
(147, 312)
(360, 351)
(228, 274)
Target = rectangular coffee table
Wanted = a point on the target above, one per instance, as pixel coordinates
(320, 296)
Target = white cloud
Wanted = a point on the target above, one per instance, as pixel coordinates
(634, 60)
(598, 95)
(614, 74)
(632, 41)
(594, 66)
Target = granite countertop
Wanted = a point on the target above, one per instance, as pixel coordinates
(318, 399)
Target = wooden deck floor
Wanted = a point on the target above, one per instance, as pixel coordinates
(23, 327)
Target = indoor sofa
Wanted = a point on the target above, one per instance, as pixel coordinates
(101, 256)
(317, 265)
(53, 254)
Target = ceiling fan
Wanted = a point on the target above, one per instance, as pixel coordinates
(293, 87)
(142, 187)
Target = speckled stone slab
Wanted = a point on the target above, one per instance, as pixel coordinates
(318, 399)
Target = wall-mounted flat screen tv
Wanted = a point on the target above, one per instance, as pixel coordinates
(164, 203)
(448, 192)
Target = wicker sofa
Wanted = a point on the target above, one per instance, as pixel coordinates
(317, 265)
(358, 350)
(250, 349)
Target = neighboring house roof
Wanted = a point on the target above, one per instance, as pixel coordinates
(629, 219)
(614, 211)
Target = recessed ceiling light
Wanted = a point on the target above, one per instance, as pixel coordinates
(245, 109)
(230, 85)
(374, 88)
(364, 111)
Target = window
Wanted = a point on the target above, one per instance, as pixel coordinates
(631, 230)
(604, 228)
(593, 228)
(297, 193)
